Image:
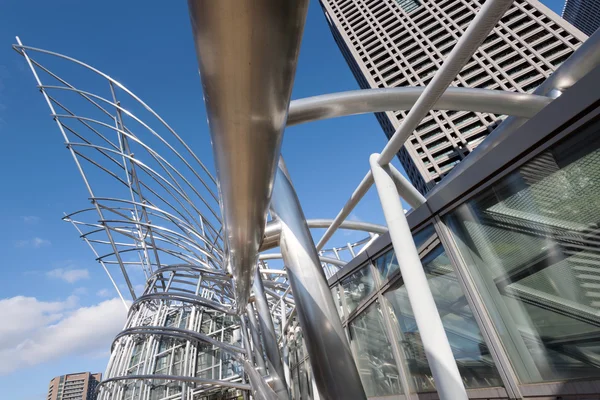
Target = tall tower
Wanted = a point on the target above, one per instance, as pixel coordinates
(392, 43)
(583, 14)
(79, 386)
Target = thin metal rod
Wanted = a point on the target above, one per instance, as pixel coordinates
(257, 345)
(445, 372)
(270, 338)
(354, 199)
(469, 42)
(102, 264)
(87, 184)
(329, 353)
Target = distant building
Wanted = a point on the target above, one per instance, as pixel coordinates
(79, 386)
(394, 43)
(583, 14)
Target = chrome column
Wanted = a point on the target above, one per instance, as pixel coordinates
(330, 357)
(247, 53)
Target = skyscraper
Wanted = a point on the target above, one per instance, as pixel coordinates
(583, 14)
(392, 43)
(79, 386)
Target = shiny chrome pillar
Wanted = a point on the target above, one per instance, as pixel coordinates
(247, 53)
(270, 338)
(330, 356)
(435, 342)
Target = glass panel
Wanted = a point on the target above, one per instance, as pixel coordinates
(373, 353)
(357, 287)
(531, 245)
(337, 299)
(472, 356)
(387, 265)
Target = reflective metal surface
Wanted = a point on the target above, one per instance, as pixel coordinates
(330, 356)
(273, 230)
(270, 338)
(403, 98)
(247, 53)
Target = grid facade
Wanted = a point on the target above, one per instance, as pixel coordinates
(79, 386)
(393, 43)
(584, 14)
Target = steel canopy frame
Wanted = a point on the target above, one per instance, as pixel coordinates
(168, 217)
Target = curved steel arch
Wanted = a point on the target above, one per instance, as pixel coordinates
(393, 99)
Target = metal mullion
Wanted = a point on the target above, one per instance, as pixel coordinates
(484, 322)
(396, 352)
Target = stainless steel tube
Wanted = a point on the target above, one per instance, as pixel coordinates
(448, 381)
(404, 98)
(247, 53)
(330, 357)
(256, 343)
(270, 339)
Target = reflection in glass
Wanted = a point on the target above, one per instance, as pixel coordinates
(531, 243)
(387, 264)
(357, 287)
(373, 353)
(472, 356)
(337, 299)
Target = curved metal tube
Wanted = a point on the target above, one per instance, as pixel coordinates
(273, 230)
(334, 369)
(393, 99)
(277, 256)
(186, 298)
(247, 53)
(201, 381)
(184, 334)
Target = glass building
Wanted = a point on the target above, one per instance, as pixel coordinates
(583, 14)
(513, 265)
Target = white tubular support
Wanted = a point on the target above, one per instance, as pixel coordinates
(435, 342)
(358, 194)
(406, 190)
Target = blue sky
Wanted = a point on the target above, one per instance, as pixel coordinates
(51, 284)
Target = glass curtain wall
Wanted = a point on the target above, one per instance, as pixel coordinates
(373, 353)
(472, 356)
(531, 243)
(383, 332)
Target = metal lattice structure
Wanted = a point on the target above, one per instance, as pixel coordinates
(214, 320)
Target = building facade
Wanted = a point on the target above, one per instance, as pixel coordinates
(79, 386)
(584, 14)
(394, 43)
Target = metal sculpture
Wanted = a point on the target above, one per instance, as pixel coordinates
(213, 318)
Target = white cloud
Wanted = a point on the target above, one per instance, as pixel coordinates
(69, 275)
(36, 243)
(41, 331)
(103, 293)
(80, 291)
(31, 219)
